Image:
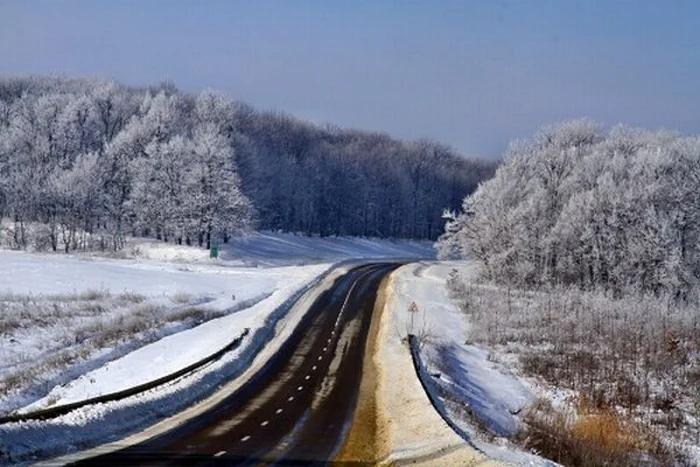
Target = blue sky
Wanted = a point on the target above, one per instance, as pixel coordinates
(472, 74)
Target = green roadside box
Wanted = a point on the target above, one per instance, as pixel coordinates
(214, 250)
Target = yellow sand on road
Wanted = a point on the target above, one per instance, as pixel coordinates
(395, 423)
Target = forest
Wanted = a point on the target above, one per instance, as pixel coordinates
(588, 242)
(85, 163)
(577, 205)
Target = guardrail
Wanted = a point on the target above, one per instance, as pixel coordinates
(115, 396)
(259, 338)
(432, 390)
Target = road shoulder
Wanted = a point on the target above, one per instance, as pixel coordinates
(395, 423)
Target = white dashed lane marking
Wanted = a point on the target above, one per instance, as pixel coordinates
(313, 368)
(320, 357)
(300, 388)
(307, 377)
(245, 438)
(279, 411)
(325, 348)
(220, 453)
(290, 399)
(264, 423)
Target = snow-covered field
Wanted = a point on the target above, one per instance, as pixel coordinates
(45, 317)
(479, 396)
(234, 294)
(276, 249)
(168, 355)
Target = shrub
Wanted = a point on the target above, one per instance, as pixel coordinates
(639, 353)
(593, 437)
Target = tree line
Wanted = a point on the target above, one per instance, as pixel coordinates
(86, 162)
(576, 205)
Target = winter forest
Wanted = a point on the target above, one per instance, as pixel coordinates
(589, 247)
(84, 163)
(580, 206)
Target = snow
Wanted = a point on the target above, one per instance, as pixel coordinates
(210, 286)
(156, 360)
(263, 248)
(275, 249)
(475, 385)
(25, 273)
(259, 298)
(185, 398)
(412, 431)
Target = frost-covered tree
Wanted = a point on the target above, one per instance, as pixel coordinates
(212, 108)
(158, 196)
(578, 206)
(75, 201)
(222, 208)
(218, 166)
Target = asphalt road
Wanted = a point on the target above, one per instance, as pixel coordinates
(297, 409)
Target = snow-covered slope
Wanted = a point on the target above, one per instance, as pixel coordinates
(266, 248)
(479, 392)
(35, 338)
(53, 274)
(185, 348)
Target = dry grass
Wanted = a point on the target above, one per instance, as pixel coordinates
(142, 318)
(48, 337)
(94, 294)
(639, 354)
(181, 298)
(131, 297)
(196, 314)
(86, 295)
(592, 437)
(33, 372)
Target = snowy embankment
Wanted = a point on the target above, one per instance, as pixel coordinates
(93, 425)
(222, 285)
(480, 397)
(35, 336)
(185, 348)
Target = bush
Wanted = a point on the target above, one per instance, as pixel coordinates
(594, 437)
(639, 353)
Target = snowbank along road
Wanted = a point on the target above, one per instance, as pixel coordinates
(297, 408)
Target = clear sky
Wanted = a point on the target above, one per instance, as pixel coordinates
(472, 74)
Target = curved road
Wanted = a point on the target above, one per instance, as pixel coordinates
(296, 410)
